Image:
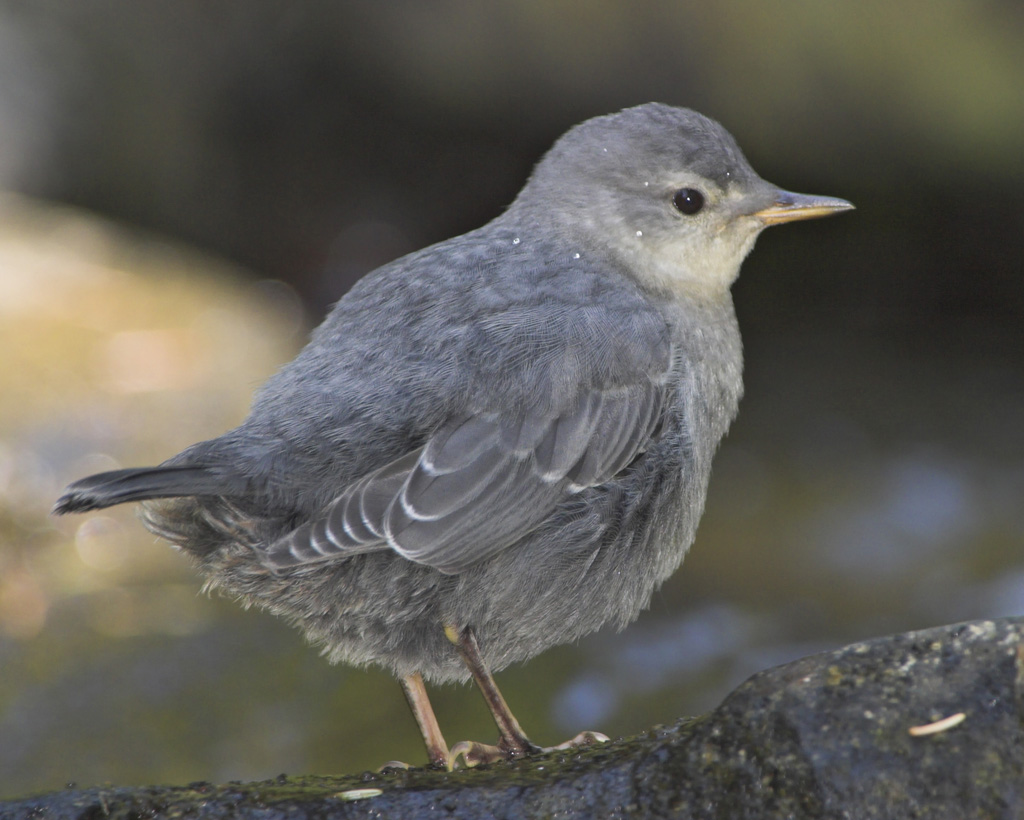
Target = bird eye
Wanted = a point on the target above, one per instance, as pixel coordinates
(688, 201)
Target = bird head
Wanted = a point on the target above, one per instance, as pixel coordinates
(664, 191)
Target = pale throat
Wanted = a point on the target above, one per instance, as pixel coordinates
(705, 270)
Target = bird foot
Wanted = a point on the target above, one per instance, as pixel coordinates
(473, 754)
(582, 739)
(393, 765)
(476, 754)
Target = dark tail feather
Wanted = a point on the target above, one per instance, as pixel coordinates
(119, 486)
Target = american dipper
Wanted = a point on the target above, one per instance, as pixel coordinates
(498, 443)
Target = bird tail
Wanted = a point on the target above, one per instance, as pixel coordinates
(137, 484)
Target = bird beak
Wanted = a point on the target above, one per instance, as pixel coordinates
(789, 207)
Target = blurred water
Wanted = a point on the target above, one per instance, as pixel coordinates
(914, 525)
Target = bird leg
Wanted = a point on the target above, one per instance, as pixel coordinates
(416, 694)
(513, 742)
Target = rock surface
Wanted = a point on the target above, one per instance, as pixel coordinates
(921, 725)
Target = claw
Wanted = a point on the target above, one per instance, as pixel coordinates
(474, 754)
(477, 754)
(582, 739)
(393, 765)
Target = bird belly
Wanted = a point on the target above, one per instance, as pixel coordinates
(597, 560)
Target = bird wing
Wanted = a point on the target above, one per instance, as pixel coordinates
(482, 482)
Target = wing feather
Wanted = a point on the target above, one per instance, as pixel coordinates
(482, 483)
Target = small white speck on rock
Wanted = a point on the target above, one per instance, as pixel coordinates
(639, 233)
(575, 256)
(515, 241)
(359, 794)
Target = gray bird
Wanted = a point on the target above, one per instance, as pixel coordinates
(501, 442)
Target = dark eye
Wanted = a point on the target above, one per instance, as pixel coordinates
(688, 201)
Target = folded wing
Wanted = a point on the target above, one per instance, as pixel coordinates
(481, 483)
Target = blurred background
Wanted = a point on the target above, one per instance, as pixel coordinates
(188, 187)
